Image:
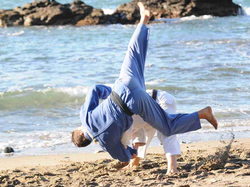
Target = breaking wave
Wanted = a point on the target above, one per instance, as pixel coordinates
(16, 33)
(247, 10)
(44, 98)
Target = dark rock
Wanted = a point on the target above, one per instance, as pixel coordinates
(96, 17)
(83, 14)
(213, 7)
(10, 18)
(46, 12)
(80, 8)
(50, 15)
(8, 150)
(79, 11)
(128, 13)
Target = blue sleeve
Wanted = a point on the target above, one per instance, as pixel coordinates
(121, 153)
(95, 93)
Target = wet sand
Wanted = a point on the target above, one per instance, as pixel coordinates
(215, 163)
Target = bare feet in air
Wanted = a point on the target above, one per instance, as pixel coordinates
(145, 14)
(206, 113)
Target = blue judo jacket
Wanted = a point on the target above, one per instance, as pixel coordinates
(105, 122)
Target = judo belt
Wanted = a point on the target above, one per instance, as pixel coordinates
(118, 101)
(154, 94)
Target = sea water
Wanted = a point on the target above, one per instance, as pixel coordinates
(45, 73)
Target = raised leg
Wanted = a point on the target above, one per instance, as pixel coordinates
(132, 71)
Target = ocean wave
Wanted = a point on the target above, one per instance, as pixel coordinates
(44, 139)
(247, 10)
(154, 82)
(41, 139)
(189, 18)
(16, 33)
(227, 69)
(16, 98)
(42, 98)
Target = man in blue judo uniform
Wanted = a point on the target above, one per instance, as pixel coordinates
(106, 123)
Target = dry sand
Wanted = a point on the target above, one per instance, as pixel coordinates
(201, 164)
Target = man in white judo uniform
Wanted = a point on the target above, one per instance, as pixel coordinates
(142, 134)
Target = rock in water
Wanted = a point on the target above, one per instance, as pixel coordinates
(128, 13)
(8, 150)
(46, 12)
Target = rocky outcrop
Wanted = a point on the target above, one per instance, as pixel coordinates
(10, 18)
(46, 12)
(128, 13)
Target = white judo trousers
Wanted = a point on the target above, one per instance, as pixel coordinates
(141, 132)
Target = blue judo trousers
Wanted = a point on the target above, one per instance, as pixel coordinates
(106, 122)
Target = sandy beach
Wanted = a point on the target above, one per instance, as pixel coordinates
(215, 163)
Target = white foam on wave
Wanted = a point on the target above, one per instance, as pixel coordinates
(241, 109)
(247, 10)
(71, 91)
(41, 139)
(189, 18)
(75, 91)
(79, 91)
(108, 11)
(154, 82)
(16, 34)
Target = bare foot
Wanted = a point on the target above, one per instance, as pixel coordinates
(145, 14)
(172, 173)
(121, 165)
(172, 165)
(206, 113)
(129, 166)
(134, 163)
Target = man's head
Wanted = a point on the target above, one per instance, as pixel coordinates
(79, 139)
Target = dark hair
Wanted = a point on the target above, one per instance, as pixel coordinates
(79, 139)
